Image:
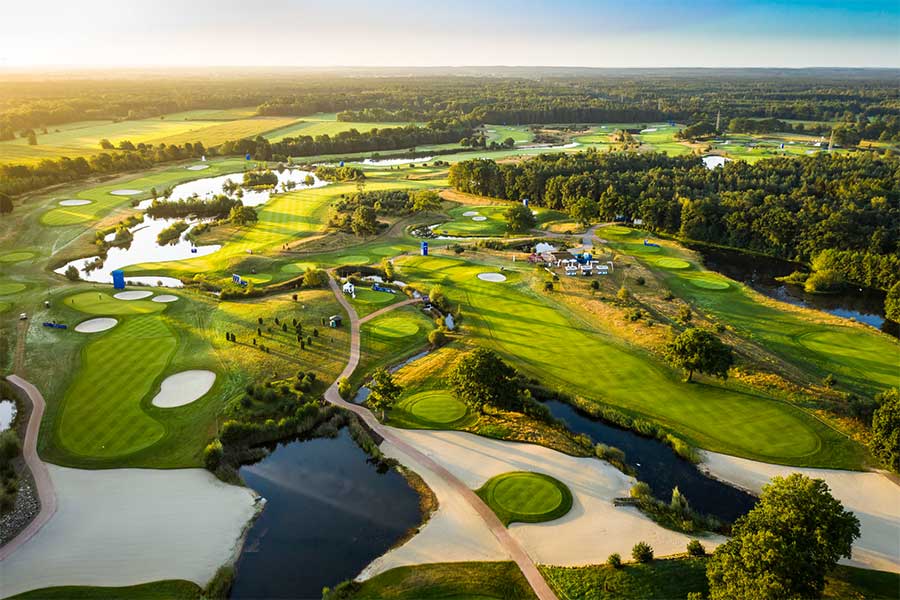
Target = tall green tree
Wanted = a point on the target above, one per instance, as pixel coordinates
(519, 218)
(384, 391)
(481, 377)
(784, 547)
(885, 441)
(363, 221)
(700, 350)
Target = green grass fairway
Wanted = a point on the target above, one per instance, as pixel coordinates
(614, 230)
(463, 225)
(298, 268)
(672, 263)
(436, 406)
(445, 581)
(101, 413)
(859, 357)
(18, 256)
(545, 340)
(9, 288)
(522, 496)
(101, 303)
(326, 124)
(171, 589)
(395, 327)
(368, 301)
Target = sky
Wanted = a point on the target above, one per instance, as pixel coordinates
(585, 33)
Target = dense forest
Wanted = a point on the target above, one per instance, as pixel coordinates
(792, 208)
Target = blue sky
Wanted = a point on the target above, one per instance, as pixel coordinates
(654, 33)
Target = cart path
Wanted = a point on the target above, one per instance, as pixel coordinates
(512, 547)
(42, 482)
(381, 311)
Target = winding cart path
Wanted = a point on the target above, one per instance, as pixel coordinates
(512, 547)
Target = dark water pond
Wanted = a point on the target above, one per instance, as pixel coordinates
(863, 305)
(329, 513)
(656, 464)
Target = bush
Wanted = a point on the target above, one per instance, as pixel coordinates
(640, 281)
(72, 273)
(220, 585)
(695, 548)
(614, 560)
(642, 552)
(212, 455)
(344, 388)
(437, 338)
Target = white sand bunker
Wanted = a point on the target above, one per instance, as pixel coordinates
(470, 213)
(117, 527)
(74, 202)
(479, 218)
(493, 277)
(197, 167)
(125, 192)
(133, 295)
(165, 298)
(96, 325)
(183, 388)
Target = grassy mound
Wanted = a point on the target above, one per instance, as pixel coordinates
(395, 327)
(11, 287)
(668, 262)
(526, 497)
(18, 256)
(436, 406)
(99, 303)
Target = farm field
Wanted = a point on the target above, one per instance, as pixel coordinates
(859, 357)
(545, 341)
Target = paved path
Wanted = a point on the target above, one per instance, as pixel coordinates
(515, 550)
(381, 311)
(42, 481)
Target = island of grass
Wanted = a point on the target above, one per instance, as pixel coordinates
(526, 497)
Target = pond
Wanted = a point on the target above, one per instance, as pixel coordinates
(859, 304)
(329, 513)
(656, 464)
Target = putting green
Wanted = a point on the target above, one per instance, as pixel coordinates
(643, 249)
(667, 262)
(709, 283)
(353, 259)
(11, 257)
(436, 406)
(11, 287)
(298, 267)
(615, 230)
(258, 278)
(99, 303)
(526, 497)
(395, 327)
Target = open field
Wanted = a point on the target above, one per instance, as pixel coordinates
(545, 341)
(858, 356)
(525, 497)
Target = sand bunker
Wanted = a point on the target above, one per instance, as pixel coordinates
(96, 325)
(873, 498)
(74, 202)
(493, 277)
(125, 192)
(197, 167)
(118, 527)
(183, 388)
(133, 295)
(592, 530)
(165, 298)
(470, 213)
(479, 219)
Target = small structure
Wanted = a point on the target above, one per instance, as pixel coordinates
(237, 279)
(571, 270)
(55, 325)
(118, 279)
(602, 269)
(380, 288)
(349, 288)
(525, 202)
(559, 259)
(638, 221)
(587, 269)
(424, 248)
(651, 244)
(334, 321)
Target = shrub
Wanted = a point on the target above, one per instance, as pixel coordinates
(220, 585)
(641, 490)
(344, 388)
(72, 273)
(614, 560)
(437, 338)
(642, 552)
(640, 281)
(695, 548)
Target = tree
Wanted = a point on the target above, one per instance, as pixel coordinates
(642, 552)
(891, 301)
(6, 205)
(32, 137)
(885, 440)
(437, 338)
(72, 273)
(384, 391)
(481, 377)
(314, 278)
(387, 265)
(519, 218)
(241, 215)
(426, 200)
(784, 547)
(584, 210)
(699, 350)
(363, 221)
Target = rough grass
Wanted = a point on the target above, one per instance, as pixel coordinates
(545, 340)
(172, 589)
(447, 581)
(526, 497)
(380, 345)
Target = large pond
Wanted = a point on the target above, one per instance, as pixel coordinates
(656, 464)
(329, 513)
(863, 305)
(144, 247)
